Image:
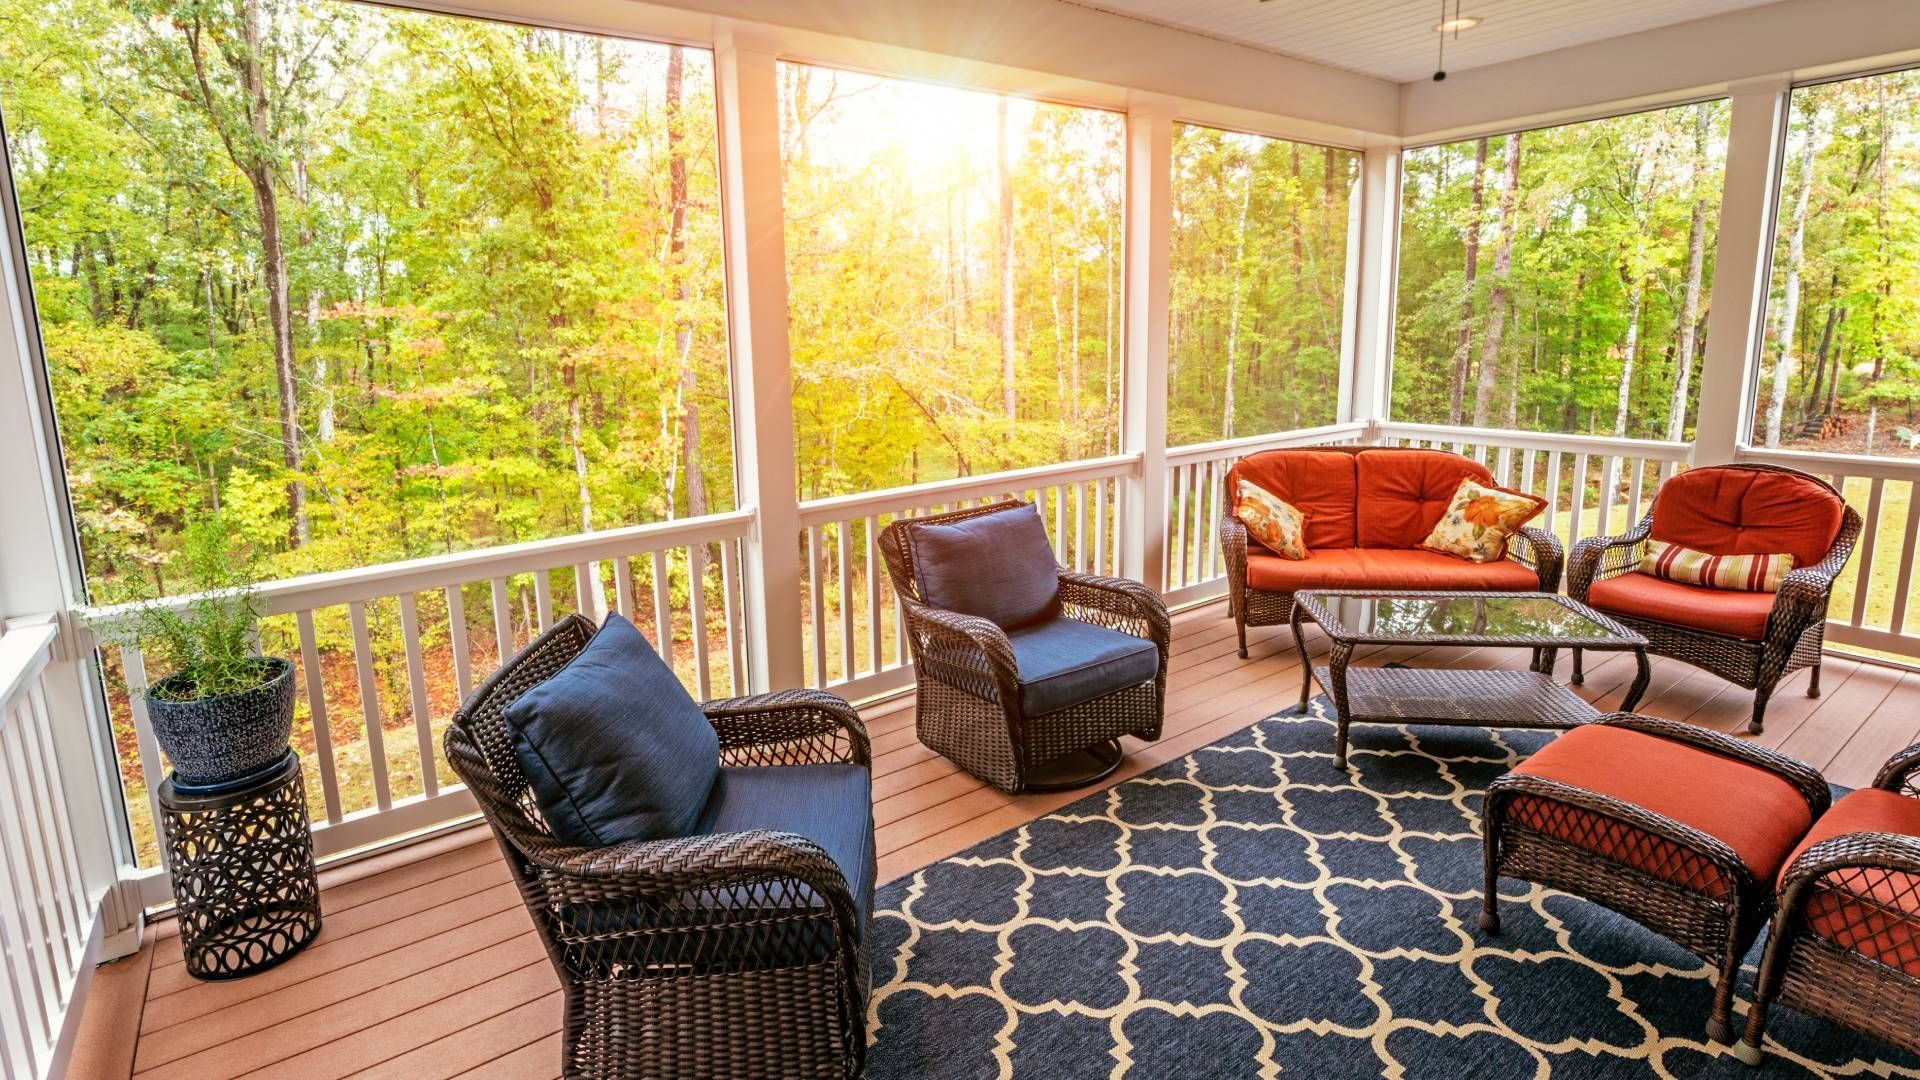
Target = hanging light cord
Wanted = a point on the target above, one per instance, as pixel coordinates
(1440, 64)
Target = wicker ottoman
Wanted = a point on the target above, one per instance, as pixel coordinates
(1677, 827)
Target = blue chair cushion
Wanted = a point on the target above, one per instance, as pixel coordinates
(613, 747)
(1064, 662)
(998, 566)
(831, 805)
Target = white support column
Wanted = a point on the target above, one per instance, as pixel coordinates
(1367, 384)
(1734, 326)
(747, 88)
(1149, 252)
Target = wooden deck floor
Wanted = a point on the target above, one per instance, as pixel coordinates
(429, 967)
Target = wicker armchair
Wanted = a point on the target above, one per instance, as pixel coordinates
(1795, 630)
(1845, 943)
(970, 699)
(1536, 549)
(720, 955)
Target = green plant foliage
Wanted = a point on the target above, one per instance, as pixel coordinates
(205, 641)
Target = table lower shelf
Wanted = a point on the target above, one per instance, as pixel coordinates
(1397, 695)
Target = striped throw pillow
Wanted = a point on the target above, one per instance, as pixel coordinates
(1740, 573)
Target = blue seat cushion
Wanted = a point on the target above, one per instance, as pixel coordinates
(1064, 662)
(998, 566)
(613, 747)
(831, 805)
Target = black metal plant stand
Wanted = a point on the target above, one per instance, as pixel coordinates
(242, 864)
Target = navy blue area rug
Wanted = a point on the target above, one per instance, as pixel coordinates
(1250, 911)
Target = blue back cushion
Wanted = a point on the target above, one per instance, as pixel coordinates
(997, 566)
(613, 746)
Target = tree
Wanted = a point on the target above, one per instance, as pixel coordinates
(1463, 355)
(1784, 362)
(1696, 264)
(1506, 224)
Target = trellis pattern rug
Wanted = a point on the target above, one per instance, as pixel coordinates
(1250, 911)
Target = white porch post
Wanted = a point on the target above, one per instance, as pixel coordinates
(1149, 236)
(1366, 382)
(745, 82)
(1734, 326)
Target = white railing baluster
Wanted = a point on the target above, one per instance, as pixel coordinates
(872, 557)
(315, 678)
(697, 615)
(1869, 537)
(730, 591)
(1633, 493)
(843, 547)
(662, 607)
(36, 712)
(457, 642)
(20, 1047)
(1059, 524)
(1553, 493)
(1079, 526)
(1526, 471)
(1579, 499)
(1177, 551)
(814, 606)
(133, 667)
(28, 930)
(1100, 563)
(542, 601)
(1609, 480)
(1911, 544)
(502, 621)
(623, 586)
(370, 705)
(417, 685)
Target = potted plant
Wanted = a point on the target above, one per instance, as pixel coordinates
(224, 712)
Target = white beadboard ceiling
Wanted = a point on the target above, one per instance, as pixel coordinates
(1394, 39)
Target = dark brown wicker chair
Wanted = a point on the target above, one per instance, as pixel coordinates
(1795, 631)
(968, 704)
(723, 955)
(1536, 549)
(1845, 943)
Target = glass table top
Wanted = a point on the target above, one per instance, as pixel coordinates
(1536, 619)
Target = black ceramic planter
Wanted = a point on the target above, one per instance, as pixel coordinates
(214, 740)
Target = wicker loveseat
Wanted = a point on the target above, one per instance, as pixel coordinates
(1367, 510)
(1752, 639)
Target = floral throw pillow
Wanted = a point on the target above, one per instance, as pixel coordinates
(1740, 573)
(1273, 521)
(1479, 520)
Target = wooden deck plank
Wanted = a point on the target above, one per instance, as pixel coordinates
(428, 967)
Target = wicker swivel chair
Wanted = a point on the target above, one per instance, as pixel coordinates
(731, 954)
(1750, 639)
(1845, 944)
(977, 706)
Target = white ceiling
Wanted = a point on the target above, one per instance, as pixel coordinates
(1394, 39)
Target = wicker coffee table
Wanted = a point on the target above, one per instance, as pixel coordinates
(1543, 622)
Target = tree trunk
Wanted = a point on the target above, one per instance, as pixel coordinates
(1233, 307)
(1790, 302)
(1007, 393)
(1506, 224)
(1636, 300)
(1690, 294)
(1463, 352)
(267, 206)
(682, 287)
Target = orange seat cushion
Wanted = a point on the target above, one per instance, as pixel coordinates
(1718, 611)
(1876, 913)
(1318, 483)
(1743, 512)
(1757, 814)
(1390, 568)
(1403, 493)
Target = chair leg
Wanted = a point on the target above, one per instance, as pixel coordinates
(1759, 722)
(1719, 1021)
(1813, 682)
(1748, 1048)
(1240, 624)
(1579, 673)
(1490, 889)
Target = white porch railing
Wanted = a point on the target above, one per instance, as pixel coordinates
(854, 630)
(388, 652)
(1874, 594)
(47, 920)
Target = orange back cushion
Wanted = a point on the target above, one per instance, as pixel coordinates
(1744, 512)
(1319, 483)
(1404, 492)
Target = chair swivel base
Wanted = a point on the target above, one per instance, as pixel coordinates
(1077, 769)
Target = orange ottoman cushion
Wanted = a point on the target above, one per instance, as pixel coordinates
(1718, 611)
(1403, 493)
(1379, 568)
(1744, 512)
(1876, 913)
(1319, 483)
(1757, 814)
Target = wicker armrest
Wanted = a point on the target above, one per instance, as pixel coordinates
(1804, 777)
(1540, 551)
(1859, 863)
(1128, 605)
(1233, 544)
(1901, 773)
(960, 644)
(792, 727)
(1598, 558)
